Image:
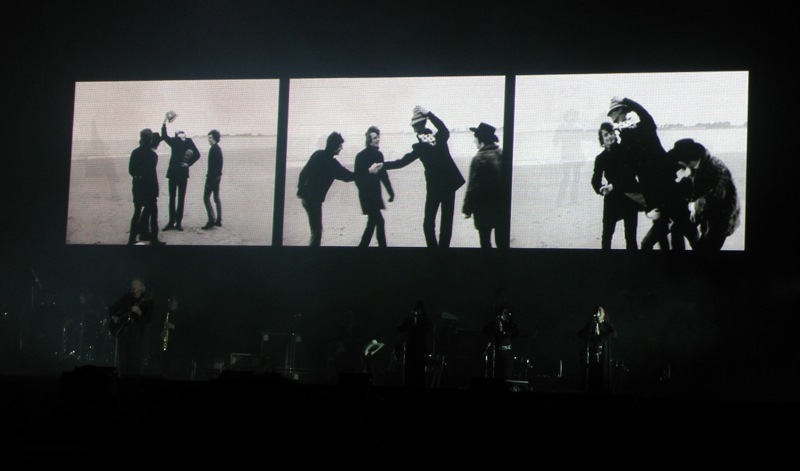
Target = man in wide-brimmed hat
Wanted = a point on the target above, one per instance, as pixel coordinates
(485, 198)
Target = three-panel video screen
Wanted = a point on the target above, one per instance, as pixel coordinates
(628, 161)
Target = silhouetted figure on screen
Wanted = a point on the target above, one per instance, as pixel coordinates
(316, 179)
(213, 178)
(614, 178)
(638, 137)
(442, 176)
(416, 329)
(184, 154)
(597, 333)
(142, 169)
(485, 196)
(369, 188)
(710, 190)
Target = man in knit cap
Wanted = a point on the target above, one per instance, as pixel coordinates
(442, 176)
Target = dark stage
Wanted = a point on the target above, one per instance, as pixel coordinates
(706, 359)
(89, 417)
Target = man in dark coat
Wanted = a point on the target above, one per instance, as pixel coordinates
(316, 179)
(716, 207)
(442, 176)
(485, 197)
(638, 137)
(213, 178)
(369, 188)
(184, 155)
(614, 178)
(142, 168)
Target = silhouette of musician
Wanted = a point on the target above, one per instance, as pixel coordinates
(128, 319)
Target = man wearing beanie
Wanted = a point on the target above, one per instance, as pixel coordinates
(442, 176)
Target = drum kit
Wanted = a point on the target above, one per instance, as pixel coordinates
(86, 339)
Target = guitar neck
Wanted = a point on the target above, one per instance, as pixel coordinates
(125, 314)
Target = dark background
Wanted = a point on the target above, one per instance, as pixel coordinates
(723, 325)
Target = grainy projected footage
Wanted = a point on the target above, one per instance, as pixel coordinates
(447, 106)
(560, 190)
(107, 122)
(600, 161)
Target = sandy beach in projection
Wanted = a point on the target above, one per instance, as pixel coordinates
(568, 213)
(101, 204)
(553, 204)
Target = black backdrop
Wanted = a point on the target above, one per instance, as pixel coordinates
(724, 325)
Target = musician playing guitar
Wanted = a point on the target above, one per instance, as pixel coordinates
(128, 319)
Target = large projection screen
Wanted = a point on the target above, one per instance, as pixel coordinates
(106, 123)
(555, 143)
(350, 106)
(556, 124)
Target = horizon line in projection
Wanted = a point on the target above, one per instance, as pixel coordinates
(555, 122)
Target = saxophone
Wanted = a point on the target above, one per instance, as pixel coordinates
(165, 334)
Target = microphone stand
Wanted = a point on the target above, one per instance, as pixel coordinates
(433, 339)
(289, 360)
(587, 354)
(430, 365)
(36, 283)
(487, 369)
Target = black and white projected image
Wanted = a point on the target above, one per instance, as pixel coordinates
(350, 106)
(107, 120)
(557, 119)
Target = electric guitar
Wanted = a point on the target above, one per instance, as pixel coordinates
(125, 318)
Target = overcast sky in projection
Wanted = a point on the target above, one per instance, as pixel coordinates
(120, 110)
(685, 98)
(351, 105)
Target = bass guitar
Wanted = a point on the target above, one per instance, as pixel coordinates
(125, 318)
